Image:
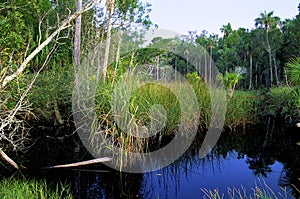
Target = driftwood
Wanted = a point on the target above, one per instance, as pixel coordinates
(83, 163)
(8, 159)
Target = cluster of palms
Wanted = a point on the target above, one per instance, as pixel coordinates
(263, 52)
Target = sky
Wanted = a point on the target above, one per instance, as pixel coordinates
(184, 15)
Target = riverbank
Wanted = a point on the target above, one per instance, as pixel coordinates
(50, 106)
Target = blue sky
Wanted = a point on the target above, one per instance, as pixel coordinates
(183, 15)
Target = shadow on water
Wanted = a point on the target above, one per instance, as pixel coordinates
(253, 157)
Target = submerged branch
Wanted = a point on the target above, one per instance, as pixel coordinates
(77, 164)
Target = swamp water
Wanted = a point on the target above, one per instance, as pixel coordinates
(239, 162)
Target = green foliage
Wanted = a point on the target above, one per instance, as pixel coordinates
(294, 71)
(284, 98)
(231, 79)
(290, 46)
(56, 84)
(13, 38)
(35, 189)
(243, 109)
(203, 96)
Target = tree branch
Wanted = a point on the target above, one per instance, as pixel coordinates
(64, 25)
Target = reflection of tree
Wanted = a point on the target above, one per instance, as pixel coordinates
(290, 177)
(260, 164)
(263, 151)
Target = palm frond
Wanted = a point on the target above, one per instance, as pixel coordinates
(293, 71)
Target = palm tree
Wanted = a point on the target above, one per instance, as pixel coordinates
(268, 22)
(230, 80)
(294, 76)
(294, 71)
(226, 30)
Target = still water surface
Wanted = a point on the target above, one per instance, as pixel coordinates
(239, 161)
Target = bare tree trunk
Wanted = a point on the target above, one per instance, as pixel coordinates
(118, 53)
(63, 26)
(276, 72)
(175, 69)
(108, 39)
(205, 67)
(251, 66)
(100, 49)
(256, 76)
(157, 67)
(270, 57)
(285, 77)
(77, 39)
(119, 47)
(210, 67)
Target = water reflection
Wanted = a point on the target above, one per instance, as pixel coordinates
(239, 160)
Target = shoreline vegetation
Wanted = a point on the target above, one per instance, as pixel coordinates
(53, 109)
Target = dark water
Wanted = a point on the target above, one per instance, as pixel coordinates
(240, 160)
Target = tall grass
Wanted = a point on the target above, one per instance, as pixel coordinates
(245, 107)
(242, 109)
(125, 111)
(284, 100)
(260, 191)
(33, 189)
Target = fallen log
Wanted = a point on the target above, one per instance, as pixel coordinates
(8, 159)
(77, 164)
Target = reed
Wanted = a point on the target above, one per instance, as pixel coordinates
(260, 191)
(242, 109)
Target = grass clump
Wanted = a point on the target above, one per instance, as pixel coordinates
(258, 192)
(283, 101)
(33, 189)
(242, 109)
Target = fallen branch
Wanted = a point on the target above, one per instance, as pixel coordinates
(83, 163)
(8, 159)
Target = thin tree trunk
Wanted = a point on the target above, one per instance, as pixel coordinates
(100, 49)
(251, 69)
(175, 69)
(63, 26)
(57, 113)
(285, 77)
(119, 47)
(157, 67)
(187, 63)
(256, 76)
(118, 53)
(276, 71)
(270, 57)
(77, 38)
(210, 67)
(205, 67)
(108, 39)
